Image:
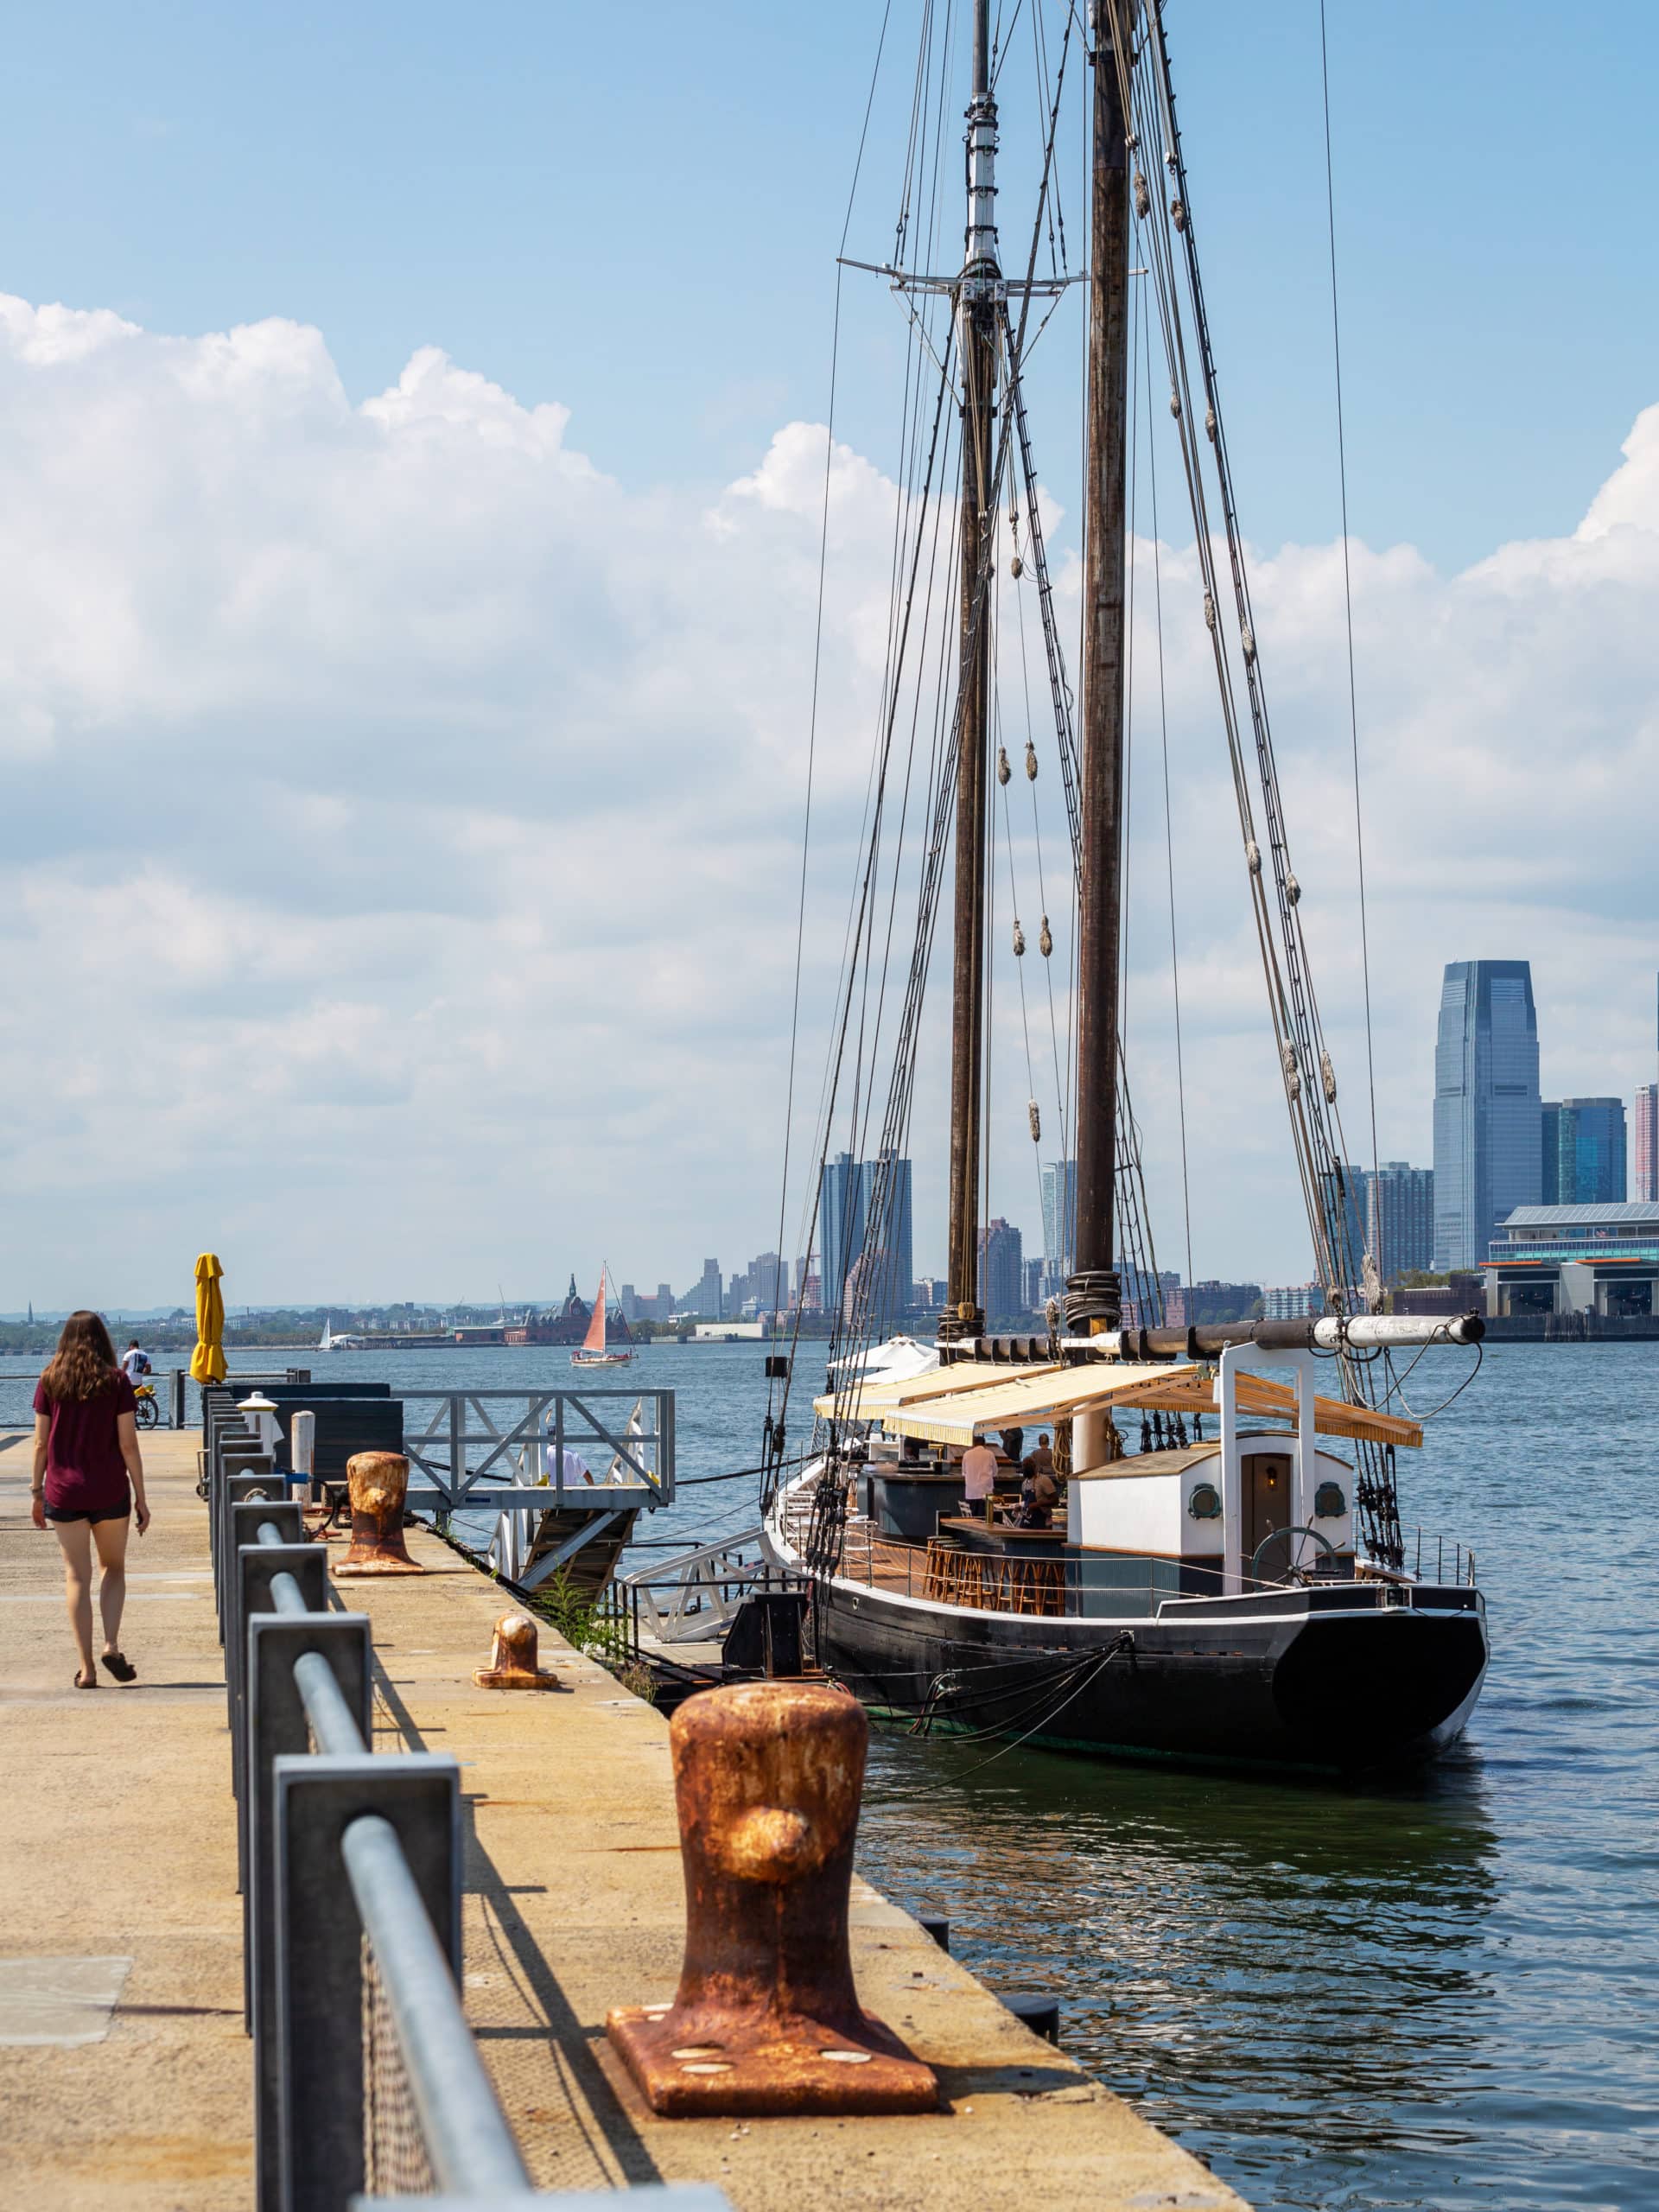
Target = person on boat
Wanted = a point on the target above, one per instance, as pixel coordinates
(978, 1475)
(1040, 1460)
(88, 1483)
(1039, 1493)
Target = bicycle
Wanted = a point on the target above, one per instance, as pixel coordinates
(147, 1410)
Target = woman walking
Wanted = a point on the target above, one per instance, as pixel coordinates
(88, 1482)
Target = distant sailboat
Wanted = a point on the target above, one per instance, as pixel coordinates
(592, 1352)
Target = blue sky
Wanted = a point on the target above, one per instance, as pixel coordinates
(402, 701)
(635, 210)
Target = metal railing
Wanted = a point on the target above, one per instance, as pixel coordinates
(1435, 1553)
(369, 2087)
(465, 1450)
(694, 1598)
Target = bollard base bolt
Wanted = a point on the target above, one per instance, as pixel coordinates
(513, 1662)
(767, 2066)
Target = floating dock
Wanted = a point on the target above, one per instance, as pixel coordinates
(125, 2073)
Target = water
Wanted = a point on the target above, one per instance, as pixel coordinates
(1432, 1994)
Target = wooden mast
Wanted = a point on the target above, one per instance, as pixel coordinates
(977, 312)
(1095, 1295)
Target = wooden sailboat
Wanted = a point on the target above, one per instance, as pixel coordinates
(1246, 1595)
(593, 1351)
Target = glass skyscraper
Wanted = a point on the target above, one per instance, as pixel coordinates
(1589, 1153)
(885, 1189)
(866, 1203)
(841, 1226)
(1400, 1218)
(1488, 1116)
(1644, 1143)
(1059, 1221)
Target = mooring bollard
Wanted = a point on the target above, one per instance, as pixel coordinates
(767, 1781)
(379, 1484)
(513, 1662)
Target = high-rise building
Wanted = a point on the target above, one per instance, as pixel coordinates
(1590, 1153)
(1296, 1301)
(704, 1298)
(1488, 1121)
(1345, 1201)
(1644, 1144)
(841, 1225)
(864, 1215)
(885, 1195)
(1399, 1219)
(1549, 1152)
(1001, 1276)
(1059, 1221)
(1033, 1281)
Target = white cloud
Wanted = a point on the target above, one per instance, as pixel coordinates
(401, 844)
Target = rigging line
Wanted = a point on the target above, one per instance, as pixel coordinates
(1085, 1676)
(1347, 582)
(1169, 819)
(1042, 893)
(817, 638)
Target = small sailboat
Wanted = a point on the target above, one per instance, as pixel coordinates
(593, 1351)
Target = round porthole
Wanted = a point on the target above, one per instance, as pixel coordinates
(1204, 1504)
(1329, 1503)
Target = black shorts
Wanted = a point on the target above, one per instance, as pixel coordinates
(104, 1513)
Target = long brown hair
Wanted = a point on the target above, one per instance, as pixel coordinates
(84, 1363)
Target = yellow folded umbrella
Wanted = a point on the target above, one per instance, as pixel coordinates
(207, 1361)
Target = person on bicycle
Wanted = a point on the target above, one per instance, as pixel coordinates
(135, 1365)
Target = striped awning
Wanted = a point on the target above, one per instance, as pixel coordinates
(866, 1399)
(1019, 1398)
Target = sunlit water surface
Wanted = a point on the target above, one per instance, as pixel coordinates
(1435, 1993)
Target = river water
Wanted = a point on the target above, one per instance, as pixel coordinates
(1438, 1993)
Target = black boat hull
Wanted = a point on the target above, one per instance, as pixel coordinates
(1328, 1679)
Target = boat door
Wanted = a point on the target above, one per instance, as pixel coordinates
(1267, 1496)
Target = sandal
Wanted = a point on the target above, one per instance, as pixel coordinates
(120, 1666)
(90, 1683)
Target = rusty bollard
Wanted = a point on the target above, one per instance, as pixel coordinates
(512, 1661)
(379, 1484)
(767, 1779)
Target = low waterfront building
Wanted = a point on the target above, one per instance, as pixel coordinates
(1579, 1259)
(1194, 1304)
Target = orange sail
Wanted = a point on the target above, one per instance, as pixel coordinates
(594, 1339)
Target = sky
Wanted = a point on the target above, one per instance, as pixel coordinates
(411, 457)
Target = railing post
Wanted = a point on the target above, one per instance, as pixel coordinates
(255, 1566)
(319, 1949)
(277, 1727)
(175, 1383)
(457, 1449)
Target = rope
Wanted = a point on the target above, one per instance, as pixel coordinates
(1169, 818)
(1348, 597)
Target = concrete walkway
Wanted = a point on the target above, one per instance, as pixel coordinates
(118, 1843)
(123, 1846)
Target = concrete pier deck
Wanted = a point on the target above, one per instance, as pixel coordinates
(122, 1847)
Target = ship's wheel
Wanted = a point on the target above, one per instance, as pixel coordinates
(1297, 1567)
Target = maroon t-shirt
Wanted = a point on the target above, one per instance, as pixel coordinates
(85, 1471)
